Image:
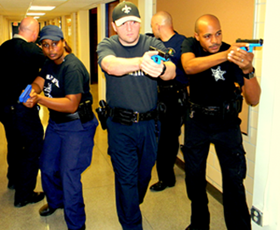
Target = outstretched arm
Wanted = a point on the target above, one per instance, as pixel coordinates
(121, 66)
(194, 65)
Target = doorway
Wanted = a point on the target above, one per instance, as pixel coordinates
(93, 45)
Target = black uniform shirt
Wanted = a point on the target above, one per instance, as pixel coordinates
(70, 77)
(175, 43)
(20, 62)
(216, 84)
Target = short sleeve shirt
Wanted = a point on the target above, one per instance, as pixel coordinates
(70, 77)
(175, 43)
(215, 85)
(135, 91)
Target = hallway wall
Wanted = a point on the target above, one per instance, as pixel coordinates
(5, 31)
(236, 16)
(266, 187)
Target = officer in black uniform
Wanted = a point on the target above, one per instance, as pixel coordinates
(214, 67)
(174, 95)
(20, 61)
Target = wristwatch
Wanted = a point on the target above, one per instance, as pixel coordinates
(250, 75)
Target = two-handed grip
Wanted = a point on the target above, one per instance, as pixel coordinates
(25, 94)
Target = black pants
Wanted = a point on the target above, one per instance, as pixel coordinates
(168, 146)
(226, 137)
(24, 133)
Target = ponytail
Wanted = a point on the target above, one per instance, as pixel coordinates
(67, 47)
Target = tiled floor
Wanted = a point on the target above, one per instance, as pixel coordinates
(166, 210)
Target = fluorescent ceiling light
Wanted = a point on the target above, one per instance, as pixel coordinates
(42, 8)
(35, 14)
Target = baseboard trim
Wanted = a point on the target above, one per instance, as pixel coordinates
(209, 187)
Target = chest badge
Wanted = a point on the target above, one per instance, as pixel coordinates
(218, 73)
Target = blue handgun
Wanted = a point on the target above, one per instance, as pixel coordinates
(25, 94)
(253, 43)
(162, 56)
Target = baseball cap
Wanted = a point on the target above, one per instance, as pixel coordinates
(125, 11)
(51, 32)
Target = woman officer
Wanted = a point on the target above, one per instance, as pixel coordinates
(68, 144)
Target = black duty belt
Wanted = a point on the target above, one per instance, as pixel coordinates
(128, 117)
(84, 113)
(171, 87)
(65, 117)
(228, 110)
(205, 110)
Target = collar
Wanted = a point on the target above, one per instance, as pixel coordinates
(19, 36)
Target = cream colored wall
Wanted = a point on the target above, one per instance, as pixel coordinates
(236, 16)
(83, 37)
(73, 36)
(146, 11)
(250, 141)
(266, 187)
(237, 21)
(101, 13)
(4, 32)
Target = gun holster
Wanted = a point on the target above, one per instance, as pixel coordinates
(85, 111)
(233, 107)
(103, 113)
(161, 110)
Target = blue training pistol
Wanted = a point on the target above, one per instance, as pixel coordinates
(252, 43)
(161, 56)
(25, 94)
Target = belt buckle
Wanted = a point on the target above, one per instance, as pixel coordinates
(136, 117)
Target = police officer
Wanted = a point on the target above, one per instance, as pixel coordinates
(68, 143)
(214, 67)
(174, 95)
(20, 61)
(131, 95)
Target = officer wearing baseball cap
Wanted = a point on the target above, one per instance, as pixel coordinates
(125, 11)
(131, 94)
(51, 32)
(68, 143)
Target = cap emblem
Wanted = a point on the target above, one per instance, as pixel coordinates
(126, 9)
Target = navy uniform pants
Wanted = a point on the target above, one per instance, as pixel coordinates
(168, 146)
(24, 133)
(227, 138)
(133, 154)
(67, 152)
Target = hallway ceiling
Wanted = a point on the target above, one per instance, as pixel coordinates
(15, 10)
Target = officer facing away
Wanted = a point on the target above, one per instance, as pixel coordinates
(174, 95)
(20, 61)
(214, 67)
